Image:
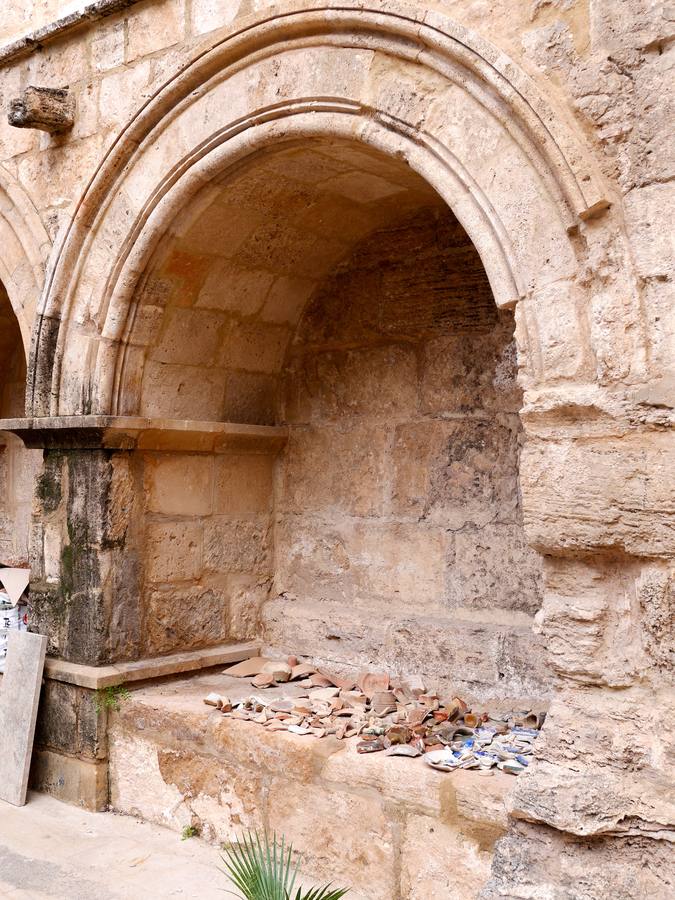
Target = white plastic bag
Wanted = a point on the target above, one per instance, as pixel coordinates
(12, 618)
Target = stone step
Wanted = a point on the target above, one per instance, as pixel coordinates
(391, 828)
(481, 655)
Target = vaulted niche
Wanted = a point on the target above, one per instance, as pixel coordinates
(328, 288)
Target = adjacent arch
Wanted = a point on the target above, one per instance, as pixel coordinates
(25, 250)
(411, 84)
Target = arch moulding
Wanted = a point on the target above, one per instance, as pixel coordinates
(408, 82)
(25, 250)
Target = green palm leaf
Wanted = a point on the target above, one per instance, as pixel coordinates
(261, 868)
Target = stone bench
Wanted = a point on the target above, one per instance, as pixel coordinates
(389, 827)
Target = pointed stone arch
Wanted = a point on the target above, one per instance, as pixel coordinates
(409, 83)
(25, 251)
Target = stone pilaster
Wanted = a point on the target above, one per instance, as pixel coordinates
(112, 570)
(598, 808)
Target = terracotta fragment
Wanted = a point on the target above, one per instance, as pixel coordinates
(247, 668)
(280, 671)
(324, 693)
(372, 682)
(302, 670)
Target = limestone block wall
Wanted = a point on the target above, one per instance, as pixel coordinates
(582, 235)
(140, 554)
(399, 538)
(208, 547)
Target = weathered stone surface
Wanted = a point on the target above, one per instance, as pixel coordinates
(437, 861)
(180, 618)
(174, 551)
(320, 821)
(236, 546)
(81, 782)
(70, 722)
(542, 862)
(178, 288)
(48, 109)
(589, 741)
(179, 485)
(483, 656)
(612, 492)
(178, 788)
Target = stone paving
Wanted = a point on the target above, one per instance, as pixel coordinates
(53, 850)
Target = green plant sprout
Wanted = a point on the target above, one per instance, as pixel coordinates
(261, 869)
(110, 697)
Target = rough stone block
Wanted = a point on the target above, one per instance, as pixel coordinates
(174, 551)
(155, 28)
(179, 618)
(456, 473)
(236, 546)
(179, 485)
(340, 468)
(191, 337)
(437, 861)
(611, 492)
(243, 484)
(48, 109)
(362, 562)
(470, 373)
(69, 722)
(80, 782)
(495, 568)
(320, 822)
(375, 382)
(177, 392)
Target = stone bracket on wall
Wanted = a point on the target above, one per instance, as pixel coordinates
(138, 433)
(47, 109)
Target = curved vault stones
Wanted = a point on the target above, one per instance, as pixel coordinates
(413, 85)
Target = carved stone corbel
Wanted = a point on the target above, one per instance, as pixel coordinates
(49, 109)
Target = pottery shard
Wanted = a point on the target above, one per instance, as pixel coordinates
(355, 698)
(373, 682)
(247, 668)
(279, 670)
(222, 703)
(302, 670)
(417, 715)
(320, 681)
(344, 682)
(265, 679)
(326, 693)
(383, 702)
(414, 685)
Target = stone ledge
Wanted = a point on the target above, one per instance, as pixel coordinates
(98, 677)
(34, 40)
(139, 433)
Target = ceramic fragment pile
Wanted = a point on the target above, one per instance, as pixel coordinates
(398, 717)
